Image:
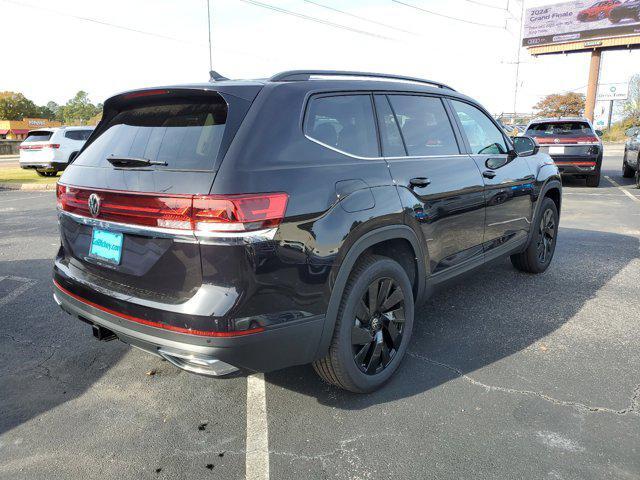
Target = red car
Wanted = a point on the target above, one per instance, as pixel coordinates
(598, 11)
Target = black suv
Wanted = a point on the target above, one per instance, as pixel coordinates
(628, 10)
(300, 219)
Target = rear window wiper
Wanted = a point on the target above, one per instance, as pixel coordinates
(118, 161)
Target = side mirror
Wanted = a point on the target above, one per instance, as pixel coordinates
(599, 133)
(525, 146)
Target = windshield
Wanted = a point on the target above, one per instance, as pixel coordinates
(40, 136)
(184, 134)
(560, 129)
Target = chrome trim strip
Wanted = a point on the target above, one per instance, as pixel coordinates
(176, 234)
(408, 157)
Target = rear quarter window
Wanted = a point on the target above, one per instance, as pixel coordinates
(186, 134)
(343, 122)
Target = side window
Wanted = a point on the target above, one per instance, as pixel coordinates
(424, 124)
(344, 122)
(483, 135)
(81, 135)
(392, 145)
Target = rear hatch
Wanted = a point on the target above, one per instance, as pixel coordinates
(569, 141)
(126, 203)
(37, 147)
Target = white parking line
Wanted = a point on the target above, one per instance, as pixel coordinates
(27, 283)
(257, 457)
(624, 190)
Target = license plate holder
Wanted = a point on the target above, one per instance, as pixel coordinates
(106, 246)
(556, 150)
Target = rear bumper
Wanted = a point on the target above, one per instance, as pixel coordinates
(43, 165)
(277, 347)
(578, 165)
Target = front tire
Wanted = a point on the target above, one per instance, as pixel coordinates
(538, 255)
(373, 328)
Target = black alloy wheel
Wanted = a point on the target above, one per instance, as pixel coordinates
(377, 331)
(547, 236)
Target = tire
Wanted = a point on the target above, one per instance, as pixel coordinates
(543, 241)
(638, 179)
(614, 19)
(363, 356)
(41, 173)
(47, 173)
(627, 171)
(593, 180)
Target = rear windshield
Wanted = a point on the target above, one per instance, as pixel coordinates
(184, 134)
(38, 137)
(560, 129)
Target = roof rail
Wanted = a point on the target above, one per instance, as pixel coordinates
(303, 75)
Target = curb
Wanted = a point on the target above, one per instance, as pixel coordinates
(31, 187)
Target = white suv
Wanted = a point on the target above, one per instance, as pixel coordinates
(49, 150)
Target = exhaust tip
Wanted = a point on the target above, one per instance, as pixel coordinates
(200, 364)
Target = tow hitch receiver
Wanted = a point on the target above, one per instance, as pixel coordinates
(103, 334)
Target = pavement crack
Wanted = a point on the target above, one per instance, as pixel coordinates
(633, 408)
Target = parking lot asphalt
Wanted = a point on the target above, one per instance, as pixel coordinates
(508, 376)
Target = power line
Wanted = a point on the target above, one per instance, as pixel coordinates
(485, 4)
(424, 10)
(359, 17)
(314, 19)
(100, 22)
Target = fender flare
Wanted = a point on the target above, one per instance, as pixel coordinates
(369, 239)
(551, 182)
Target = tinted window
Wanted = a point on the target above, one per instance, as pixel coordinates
(425, 125)
(81, 135)
(560, 129)
(38, 137)
(484, 137)
(392, 145)
(344, 122)
(185, 135)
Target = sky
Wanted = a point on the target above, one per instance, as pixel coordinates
(63, 46)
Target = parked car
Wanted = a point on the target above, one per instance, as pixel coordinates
(300, 219)
(573, 144)
(49, 150)
(629, 10)
(598, 11)
(631, 157)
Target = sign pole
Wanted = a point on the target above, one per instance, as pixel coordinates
(592, 86)
(610, 115)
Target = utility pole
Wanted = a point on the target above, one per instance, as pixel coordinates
(515, 92)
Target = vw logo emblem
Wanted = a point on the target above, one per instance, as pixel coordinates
(94, 205)
(557, 140)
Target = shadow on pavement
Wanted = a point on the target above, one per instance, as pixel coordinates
(46, 356)
(490, 314)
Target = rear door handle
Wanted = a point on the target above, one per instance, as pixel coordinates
(489, 174)
(420, 182)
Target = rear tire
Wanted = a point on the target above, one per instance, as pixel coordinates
(47, 173)
(593, 180)
(539, 253)
(627, 171)
(638, 179)
(370, 338)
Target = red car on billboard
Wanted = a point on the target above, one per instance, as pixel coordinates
(598, 11)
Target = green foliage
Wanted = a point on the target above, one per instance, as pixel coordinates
(79, 109)
(561, 105)
(15, 106)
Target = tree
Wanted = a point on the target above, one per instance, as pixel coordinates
(631, 106)
(15, 106)
(561, 105)
(79, 109)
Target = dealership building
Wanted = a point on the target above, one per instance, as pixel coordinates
(19, 129)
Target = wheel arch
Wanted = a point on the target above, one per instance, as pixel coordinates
(393, 241)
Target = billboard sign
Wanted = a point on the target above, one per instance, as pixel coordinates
(613, 91)
(580, 20)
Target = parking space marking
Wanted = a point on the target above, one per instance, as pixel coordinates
(624, 190)
(27, 283)
(257, 448)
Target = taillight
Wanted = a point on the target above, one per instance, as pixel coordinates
(207, 213)
(239, 213)
(39, 147)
